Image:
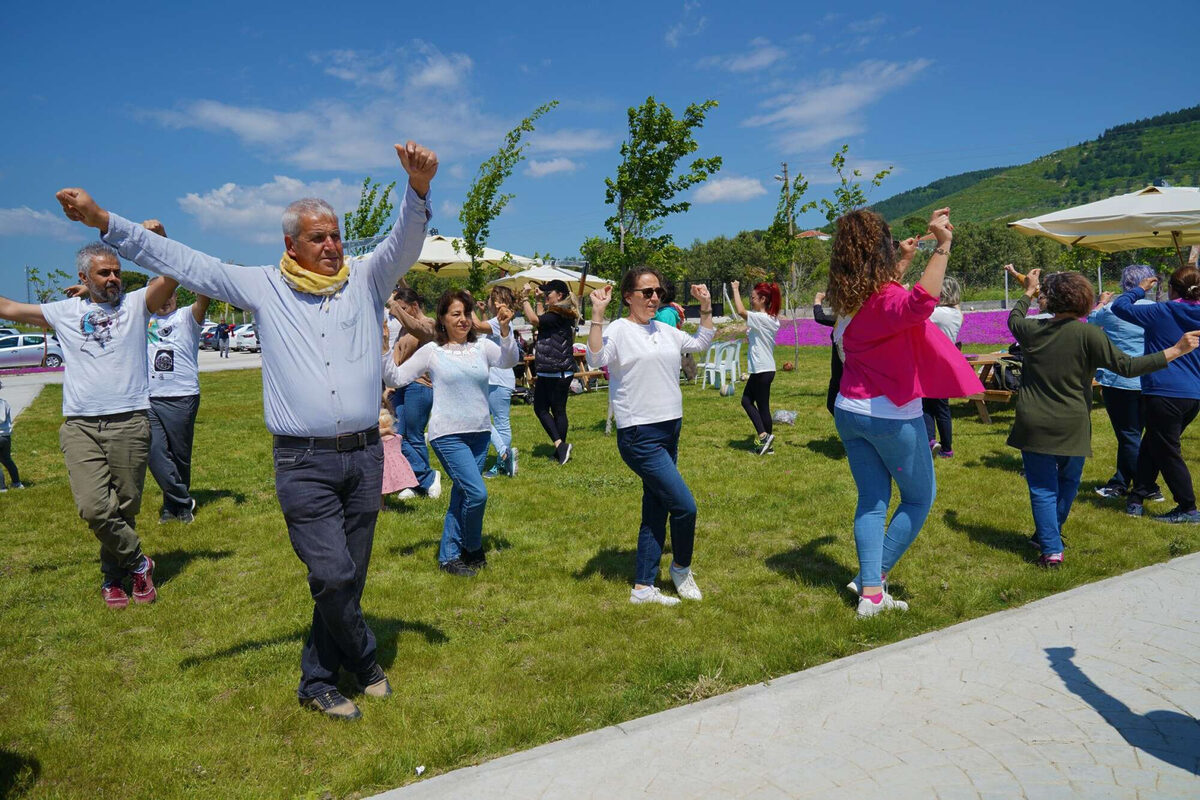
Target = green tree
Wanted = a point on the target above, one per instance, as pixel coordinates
(648, 178)
(848, 193)
(49, 287)
(484, 201)
(374, 209)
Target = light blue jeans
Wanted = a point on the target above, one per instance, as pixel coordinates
(881, 451)
(499, 404)
(1053, 483)
(462, 456)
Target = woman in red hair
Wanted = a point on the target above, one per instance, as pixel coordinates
(762, 323)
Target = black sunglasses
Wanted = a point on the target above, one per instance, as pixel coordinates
(648, 293)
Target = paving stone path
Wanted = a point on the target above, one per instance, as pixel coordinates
(1093, 693)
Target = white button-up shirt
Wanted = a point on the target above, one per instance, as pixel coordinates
(320, 356)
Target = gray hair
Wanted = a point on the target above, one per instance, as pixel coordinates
(305, 206)
(1134, 274)
(951, 292)
(89, 252)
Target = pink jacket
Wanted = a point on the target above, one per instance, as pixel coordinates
(892, 349)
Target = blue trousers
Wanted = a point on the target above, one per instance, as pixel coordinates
(172, 424)
(652, 451)
(499, 405)
(462, 456)
(413, 404)
(1053, 483)
(330, 501)
(881, 451)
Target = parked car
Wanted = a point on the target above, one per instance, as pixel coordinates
(9, 331)
(208, 336)
(30, 350)
(245, 337)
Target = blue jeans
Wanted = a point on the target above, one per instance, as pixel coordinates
(881, 451)
(1053, 482)
(651, 451)
(499, 405)
(330, 501)
(413, 404)
(462, 456)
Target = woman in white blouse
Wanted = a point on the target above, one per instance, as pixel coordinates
(643, 357)
(460, 425)
(762, 323)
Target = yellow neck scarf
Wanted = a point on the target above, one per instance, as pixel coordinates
(303, 280)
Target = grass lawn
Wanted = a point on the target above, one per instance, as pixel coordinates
(195, 696)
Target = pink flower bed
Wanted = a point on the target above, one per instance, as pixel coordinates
(979, 327)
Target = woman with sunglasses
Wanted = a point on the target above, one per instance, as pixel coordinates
(894, 356)
(553, 360)
(643, 357)
(762, 323)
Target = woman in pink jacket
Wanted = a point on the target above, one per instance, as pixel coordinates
(894, 356)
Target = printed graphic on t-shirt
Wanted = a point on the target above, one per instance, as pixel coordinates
(98, 328)
(164, 362)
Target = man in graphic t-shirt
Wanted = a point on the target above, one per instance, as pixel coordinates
(106, 436)
(172, 345)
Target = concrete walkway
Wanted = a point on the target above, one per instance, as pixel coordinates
(21, 390)
(1093, 693)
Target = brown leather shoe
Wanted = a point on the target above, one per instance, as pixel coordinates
(375, 683)
(332, 705)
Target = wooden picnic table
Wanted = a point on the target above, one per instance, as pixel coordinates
(585, 375)
(985, 367)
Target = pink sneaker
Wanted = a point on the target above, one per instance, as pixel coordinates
(143, 584)
(114, 596)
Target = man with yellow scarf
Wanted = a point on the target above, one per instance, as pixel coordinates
(319, 326)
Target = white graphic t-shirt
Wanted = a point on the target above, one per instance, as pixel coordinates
(172, 342)
(104, 354)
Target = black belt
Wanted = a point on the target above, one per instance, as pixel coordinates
(341, 444)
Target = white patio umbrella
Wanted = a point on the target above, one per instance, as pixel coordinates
(439, 256)
(1157, 216)
(544, 273)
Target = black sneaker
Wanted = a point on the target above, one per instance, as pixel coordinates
(1156, 497)
(1111, 492)
(563, 453)
(188, 517)
(332, 705)
(1177, 517)
(165, 517)
(457, 568)
(474, 559)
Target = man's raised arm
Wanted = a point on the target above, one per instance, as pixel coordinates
(192, 269)
(25, 313)
(400, 250)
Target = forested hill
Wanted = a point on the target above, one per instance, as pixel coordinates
(1123, 159)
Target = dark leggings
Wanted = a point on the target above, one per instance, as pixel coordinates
(937, 410)
(550, 405)
(7, 462)
(756, 400)
(1166, 419)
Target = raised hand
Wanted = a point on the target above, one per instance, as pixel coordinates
(908, 248)
(1189, 341)
(735, 285)
(819, 300)
(701, 293)
(1033, 282)
(504, 314)
(600, 299)
(78, 205)
(420, 163)
(1105, 297)
(154, 226)
(1148, 283)
(940, 227)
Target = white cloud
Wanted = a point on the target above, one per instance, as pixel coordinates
(690, 25)
(253, 213)
(539, 169)
(25, 221)
(728, 189)
(405, 96)
(816, 114)
(868, 25)
(759, 55)
(448, 210)
(567, 140)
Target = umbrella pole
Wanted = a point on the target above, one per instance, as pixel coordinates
(1178, 251)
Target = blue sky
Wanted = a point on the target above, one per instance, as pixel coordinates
(213, 116)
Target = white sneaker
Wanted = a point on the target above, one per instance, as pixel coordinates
(406, 494)
(652, 595)
(868, 609)
(435, 489)
(512, 463)
(685, 584)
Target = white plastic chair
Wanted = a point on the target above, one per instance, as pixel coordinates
(710, 364)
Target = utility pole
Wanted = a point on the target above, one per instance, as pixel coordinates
(28, 291)
(787, 193)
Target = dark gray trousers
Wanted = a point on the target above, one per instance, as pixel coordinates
(172, 422)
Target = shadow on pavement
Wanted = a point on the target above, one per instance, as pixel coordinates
(1169, 736)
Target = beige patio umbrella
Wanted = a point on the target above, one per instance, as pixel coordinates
(439, 256)
(544, 273)
(1157, 216)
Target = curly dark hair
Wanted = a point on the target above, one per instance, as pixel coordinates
(1068, 293)
(863, 260)
(443, 307)
(1185, 283)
